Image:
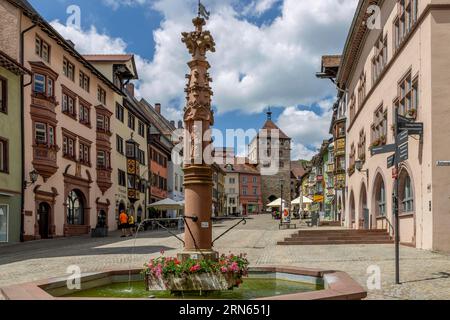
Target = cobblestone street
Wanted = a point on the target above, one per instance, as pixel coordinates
(424, 274)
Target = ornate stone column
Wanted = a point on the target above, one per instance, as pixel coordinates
(198, 118)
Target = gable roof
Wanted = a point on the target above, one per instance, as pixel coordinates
(120, 58)
(270, 125)
(12, 65)
(30, 12)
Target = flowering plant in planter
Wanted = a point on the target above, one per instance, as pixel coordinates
(172, 274)
(412, 113)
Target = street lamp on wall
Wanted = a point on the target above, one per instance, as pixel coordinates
(359, 166)
(34, 175)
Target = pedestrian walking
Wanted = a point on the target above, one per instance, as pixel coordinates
(123, 223)
(131, 225)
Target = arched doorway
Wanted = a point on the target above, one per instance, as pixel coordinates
(352, 210)
(363, 209)
(101, 219)
(75, 208)
(43, 217)
(379, 201)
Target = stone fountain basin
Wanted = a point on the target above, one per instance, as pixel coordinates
(337, 285)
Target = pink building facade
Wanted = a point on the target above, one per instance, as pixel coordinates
(400, 65)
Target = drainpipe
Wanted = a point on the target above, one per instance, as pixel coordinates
(22, 128)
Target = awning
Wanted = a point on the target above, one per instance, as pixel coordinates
(167, 204)
(277, 203)
(306, 200)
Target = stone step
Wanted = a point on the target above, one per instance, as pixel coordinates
(380, 237)
(333, 242)
(332, 233)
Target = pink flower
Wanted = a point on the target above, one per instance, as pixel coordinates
(224, 270)
(195, 268)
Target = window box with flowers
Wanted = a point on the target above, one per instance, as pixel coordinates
(376, 143)
(411, 114)
(165, 273)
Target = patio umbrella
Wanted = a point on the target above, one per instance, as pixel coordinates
(167, 204)
(307, 200)
(277, 203)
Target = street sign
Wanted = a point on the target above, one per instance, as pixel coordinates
(402, 137)
(443, 163)
(412, 127)
(382, 149)
(390, 161)
(402, 120)
(403, 152)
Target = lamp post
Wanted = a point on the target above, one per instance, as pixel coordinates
(281, 205)
(34, 175)
(359, 165)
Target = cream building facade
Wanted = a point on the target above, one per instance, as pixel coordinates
(129, 122)
(67, 133)
(401, 65)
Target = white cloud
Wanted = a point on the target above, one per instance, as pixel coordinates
(254, 66)
(258, 7)
(307, 128)
(115, 4)
(90, 41)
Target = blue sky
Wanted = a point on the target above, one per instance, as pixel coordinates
(266, 55)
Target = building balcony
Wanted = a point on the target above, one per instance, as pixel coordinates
(330, 167)
(330, 192)
(103, 135)
(104, 181)
(45, 159)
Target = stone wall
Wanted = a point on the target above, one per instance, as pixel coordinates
(10, 30)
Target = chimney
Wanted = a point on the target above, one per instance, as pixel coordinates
(172, 123)
(180, 124)
(158, 107)
(130, 89)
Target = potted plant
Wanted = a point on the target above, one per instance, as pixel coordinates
(376, 143)
(165, 273)
(412, 113)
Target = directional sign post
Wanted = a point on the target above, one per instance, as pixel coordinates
(403, 152)
(382, 149)
(398, 123)
(390, 161)
(403, 137)
(404, 127)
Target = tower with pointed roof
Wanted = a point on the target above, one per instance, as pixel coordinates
(271, 183)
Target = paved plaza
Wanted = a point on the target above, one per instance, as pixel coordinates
(424, 274)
